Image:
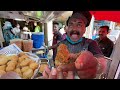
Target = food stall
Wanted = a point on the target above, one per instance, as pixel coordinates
(27, 56)
(26, 64)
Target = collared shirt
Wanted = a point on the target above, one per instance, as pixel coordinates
(57, 37)
(85, 44)
(106, 46)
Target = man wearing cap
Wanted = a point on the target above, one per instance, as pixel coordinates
(76, 43)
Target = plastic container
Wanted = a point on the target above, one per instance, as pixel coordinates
(27, 45)
(43, 63)
(38, 39)
(25, 35)
(18, 42)
(43, 66)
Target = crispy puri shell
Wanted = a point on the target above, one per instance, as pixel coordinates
(28, 74)
(33, 65)
(3, 67)
(2, 72)
(62, 56)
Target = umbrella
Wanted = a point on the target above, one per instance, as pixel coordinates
(107, 15)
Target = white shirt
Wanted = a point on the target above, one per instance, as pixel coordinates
(16, 30)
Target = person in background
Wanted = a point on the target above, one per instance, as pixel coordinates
(65, 34)
(89, 65)
(25, 29)
(105, 44)
(16, 31)
(95, 34)
(57, 37)
(25, 33)
(7, 33)
(37, 27)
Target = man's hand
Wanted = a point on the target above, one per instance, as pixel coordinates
(53, 46)
(67, 67)
(89, 73)
(50, 47)
(86, 65)
(73, 56)
(102, 65)
(57, 73)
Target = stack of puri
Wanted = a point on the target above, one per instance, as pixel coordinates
(21, 64)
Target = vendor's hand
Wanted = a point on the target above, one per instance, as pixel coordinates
(50, 47)
(102, 65)
(73, 56)
(10, 75)
(85, 73)
(89, 73)
(57, 74)
(67, 67)
(86, 65)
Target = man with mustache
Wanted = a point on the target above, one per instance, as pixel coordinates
(105, 44)
(76, 43)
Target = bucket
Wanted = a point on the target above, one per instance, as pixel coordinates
(38, 39)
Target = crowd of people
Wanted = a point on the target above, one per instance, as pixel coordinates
(9, 32)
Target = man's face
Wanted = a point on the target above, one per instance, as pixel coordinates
(102, 32)
(76, 29)
(55, 28)
(35, 24)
